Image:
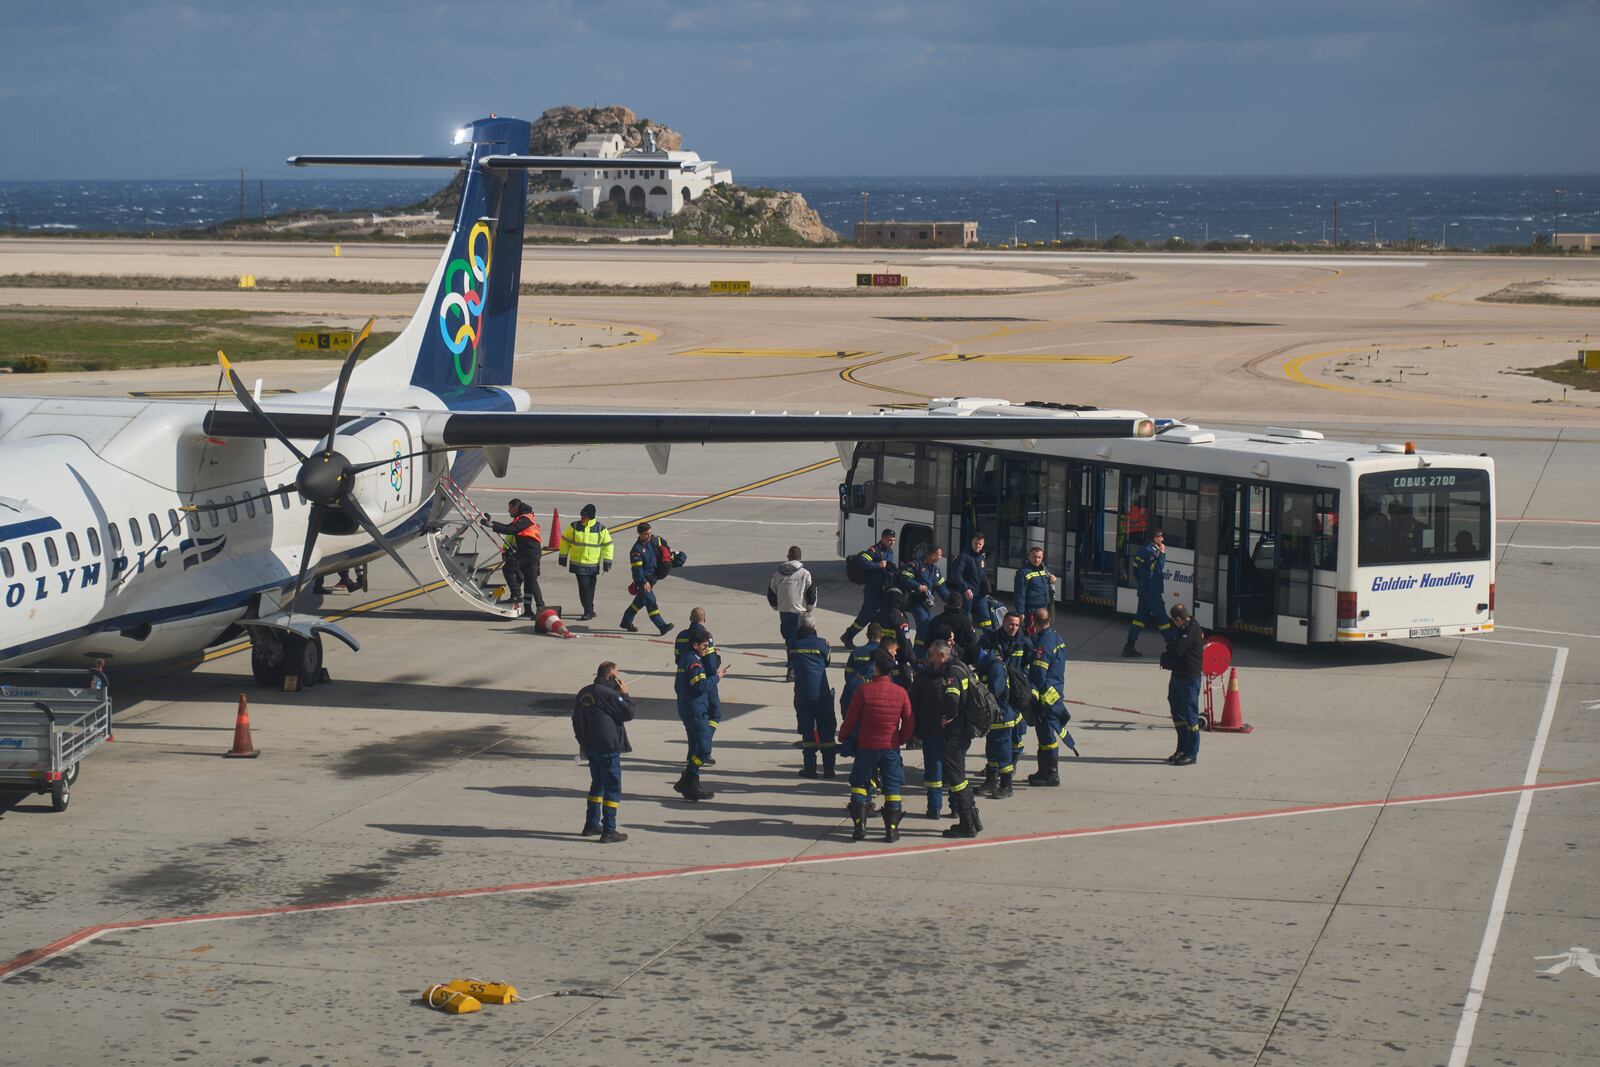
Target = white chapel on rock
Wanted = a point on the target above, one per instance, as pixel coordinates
(635, 179)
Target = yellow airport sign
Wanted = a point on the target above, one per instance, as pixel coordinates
(324, 341)
(1019, 357)
(1589, 358)
(730, 287)
(778, 353)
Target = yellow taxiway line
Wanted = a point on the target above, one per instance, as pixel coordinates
(1018, 357)
(777, 353)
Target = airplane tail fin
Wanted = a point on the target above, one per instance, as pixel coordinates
(463, 334)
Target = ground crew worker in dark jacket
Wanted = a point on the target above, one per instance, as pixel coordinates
(586, 550)
(892, 619)
(1035, 585)
(970, 576)
(690, 685)
(716, 670)
(1047, 673)
(815, 717)
(1016, 648)
(923, 583)
(938, 697)
(858, 667)
(644, 560)
(877, 565)
(598, 718)
(1149, 568)
(527, 545)
(954, 626)
(1184, 657)
(880, 721)
(1001, 763)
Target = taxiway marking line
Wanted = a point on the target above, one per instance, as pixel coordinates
(1473, 1004)
(77, 939)
(849, 375)
(778, 353)
(407, 594)
(645, 336)
(1015, 357)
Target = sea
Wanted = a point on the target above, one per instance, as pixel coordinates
(1460, 211)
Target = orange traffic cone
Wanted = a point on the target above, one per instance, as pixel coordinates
(555, 526)
(1232, 710)
(243, 746)
(549, 622)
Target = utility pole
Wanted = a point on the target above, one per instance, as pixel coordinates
(1374, 233)
(1555, 230)
(241, 194)
(1336, 224)
(863, 206)
(1058, 220)
(1441, 235)
(261, 191)
(1409, 245)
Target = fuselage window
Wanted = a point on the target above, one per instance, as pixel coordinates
(94, 542)
(29, 558)
(194, 521)
(50, 552)
(172, 522)
(135, 533)
(212, 513)
(249, 508)
(155, 526)
(283, 495)
(72, 546)
(266, 503)
(233, 509)
(5, 563)
(114, 536)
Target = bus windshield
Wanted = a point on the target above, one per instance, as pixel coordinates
(1426, 515)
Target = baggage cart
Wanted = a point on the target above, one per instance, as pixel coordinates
(49, 721)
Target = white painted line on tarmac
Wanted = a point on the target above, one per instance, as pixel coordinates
(1531, 630)
(1473, 1004)
(1559, 548)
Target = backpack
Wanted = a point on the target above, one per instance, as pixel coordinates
(856, 569)
(978, 706)
(1020, 693)
(664, 560)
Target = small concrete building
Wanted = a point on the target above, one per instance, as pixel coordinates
(634, 178)
(1583, 242)
(916, 234)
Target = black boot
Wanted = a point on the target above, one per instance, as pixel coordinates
(627, 623)
(991, 777)
(858, 818)
(829, 755)
(891, 822)
(977, 823)
(1049, 768)
(964, 827)
(1004, 789)
(849, 638)
(686, 787)
(1129, 652)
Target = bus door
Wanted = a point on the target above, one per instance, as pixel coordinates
(1252, 561)
(1296, 547)
(858, 501)
(1210, 563)
(1093, 522)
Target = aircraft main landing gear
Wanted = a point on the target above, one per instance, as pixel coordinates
(275, 655)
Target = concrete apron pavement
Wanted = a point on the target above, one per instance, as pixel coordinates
(440, 760)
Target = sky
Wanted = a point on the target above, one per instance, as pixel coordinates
(135, 89)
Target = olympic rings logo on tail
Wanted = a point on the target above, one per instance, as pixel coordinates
(467, 302)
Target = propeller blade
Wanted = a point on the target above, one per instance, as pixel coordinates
(313, 527)
(357, 468)
(251, 406)
(344, 378)
(359, 514)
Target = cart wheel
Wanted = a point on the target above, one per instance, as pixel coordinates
(72, 773)
(61, 793)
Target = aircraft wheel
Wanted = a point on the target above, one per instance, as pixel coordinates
(303, 657)
(267, 658)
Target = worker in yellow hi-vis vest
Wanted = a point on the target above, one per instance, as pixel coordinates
(586, 550)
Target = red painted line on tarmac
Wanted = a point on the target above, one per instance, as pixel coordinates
(34, 957)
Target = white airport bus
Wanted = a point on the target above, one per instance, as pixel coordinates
(1280, 533)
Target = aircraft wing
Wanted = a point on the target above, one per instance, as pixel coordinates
(457, 430)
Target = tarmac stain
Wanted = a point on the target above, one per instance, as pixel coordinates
(412, 753)
(178, 883)
(725, 939)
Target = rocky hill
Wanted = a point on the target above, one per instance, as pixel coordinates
(559, 129)
(733, 213)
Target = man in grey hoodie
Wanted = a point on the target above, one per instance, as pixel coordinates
(792, 593)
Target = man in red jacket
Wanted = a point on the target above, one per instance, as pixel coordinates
(880, 720)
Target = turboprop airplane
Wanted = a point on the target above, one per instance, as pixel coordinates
(137, 531)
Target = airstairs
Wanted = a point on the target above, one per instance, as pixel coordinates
(467, 553)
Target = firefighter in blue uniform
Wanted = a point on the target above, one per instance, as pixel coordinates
(1047, 672)
(876, 566)
(858, 667)
(693, 710)
(1001, 764)
(712, 660)
(1149, 565)
(644, 560)
(1013, 645)
(816, 719)
(970, 576)
(1035, 586)
(923, 583)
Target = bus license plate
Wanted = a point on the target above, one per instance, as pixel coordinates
(1424, 631)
